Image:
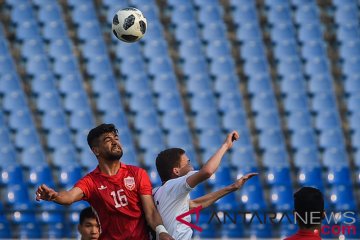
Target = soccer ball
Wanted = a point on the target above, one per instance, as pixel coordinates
(129, 25)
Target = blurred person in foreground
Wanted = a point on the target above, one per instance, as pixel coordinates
(120, 194)
(88, 226)
(179, 179)
(309, 212)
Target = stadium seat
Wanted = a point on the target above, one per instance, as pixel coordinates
(282, 198)
(277, 175)
(275, 157)
(33, 155)
(310, 176)
(307, 157)
(339, 175)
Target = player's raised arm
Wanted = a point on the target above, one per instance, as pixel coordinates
(64, 197)
(153, 217)
(213, 163)
(210, 198)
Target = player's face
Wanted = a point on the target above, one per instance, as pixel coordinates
(185, 165)
(110, 147)
(89, 229)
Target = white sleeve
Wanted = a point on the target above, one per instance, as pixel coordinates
(179, 186)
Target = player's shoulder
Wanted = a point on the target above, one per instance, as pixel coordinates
(135, 169)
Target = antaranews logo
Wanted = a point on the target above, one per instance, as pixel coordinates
(333, 223)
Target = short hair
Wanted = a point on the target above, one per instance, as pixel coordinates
(95, 133)
(167, 160)
(309, 201)
(86, 213)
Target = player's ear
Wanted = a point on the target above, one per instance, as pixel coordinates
(176, 171)
(95, 150)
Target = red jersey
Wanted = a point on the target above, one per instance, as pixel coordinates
(116, 200)
(304, 234)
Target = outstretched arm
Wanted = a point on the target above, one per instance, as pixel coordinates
(213, 163)
(210, 198)
(64, 197)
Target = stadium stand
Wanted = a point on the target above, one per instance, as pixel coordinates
(284, 74)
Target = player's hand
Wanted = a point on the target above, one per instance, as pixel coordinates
(165, 236)
(241, 181)
(45, 193)
(230, 138)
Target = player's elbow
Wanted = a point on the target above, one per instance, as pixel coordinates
(193, 204)
(206, 173)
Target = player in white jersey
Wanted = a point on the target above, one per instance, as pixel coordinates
(178, 179)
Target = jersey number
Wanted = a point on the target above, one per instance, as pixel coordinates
(120, 200)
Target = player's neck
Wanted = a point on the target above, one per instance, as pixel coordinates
(109, 168)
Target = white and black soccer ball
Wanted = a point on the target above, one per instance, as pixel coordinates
(129, 25)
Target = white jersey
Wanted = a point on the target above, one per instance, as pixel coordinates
(172, 200)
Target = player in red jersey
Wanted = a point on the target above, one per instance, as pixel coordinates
(120, 194)
(309, 205)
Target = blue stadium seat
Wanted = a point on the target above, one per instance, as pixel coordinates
(48, 101)
(304, 138)
(81, 120)
(327, 120)
(296, 102)
(335, 156)
(197, 83)
(9, 82)
(324, 102)
(76, 101)
(310, 176)
(282, 32)
(243, 157)
(49, 13)
(346, 14)
(39, 174)
(289, 66)
(306, 14)
(194, 66)
(20, 118)
(353, 102)
(342, 198)
(210, 139)
(320, 83)
(352, 84)
(12, 175)
(14, 100)
(88, 160)
(21, 12)
(317, 66)
(347, 31)
(276, 157)
(307, 157)
(179, 137)
(151, 139)
(54, 30)
(69, 175)
(206, 119)
(155, 48)
(141, 101)
(190, 48)
(16, 195)
(254, 66)
(203, 101)
(5, 137)
(7, 155)
(71, 82)
(26, 137)
(282, 198)
(64, 156)
(28, 29)
(32, 47)
(33, 155)
(271, 138)
(286, 48)
(298, 120)
(146, 119)
(310, 32)
(252, 198)
(60, 48)
(279, 14)
(331, 138)
(217, 48)
(350, 67)
(98, 66)
(173, 118)
(59, 137)
(267, 119)
(5, 231)
(339, 175)
(165, 83)
(221, 65)
(248, 31)
(277, 175)
(231, 230)
(263, 101)
(259, 83)
(43, 83)
(53, 119)
(117, 117)
(314, 49)
(28, 230)
(234, 119)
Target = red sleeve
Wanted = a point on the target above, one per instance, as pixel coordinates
(145, 184)
(85, 184)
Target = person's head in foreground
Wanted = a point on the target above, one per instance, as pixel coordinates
(309, 207)
(104, 142)
(88, 226)
(172, 163)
